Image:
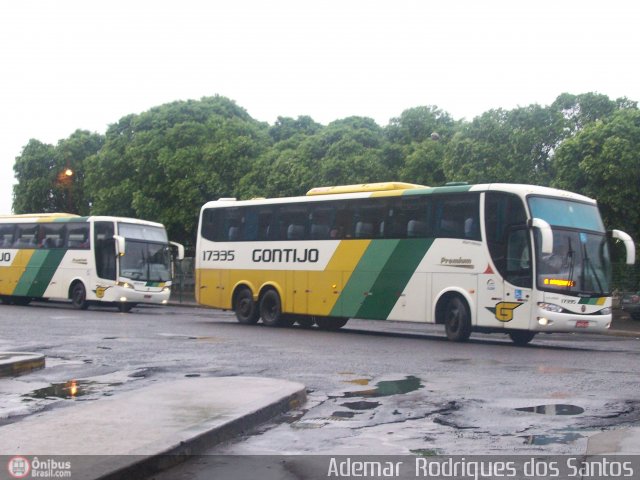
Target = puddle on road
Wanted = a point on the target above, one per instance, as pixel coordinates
(363, 405)
(67, 390)
(564, 439)
(382, 389)
(559, 409)
(342, 415)
(389, 387)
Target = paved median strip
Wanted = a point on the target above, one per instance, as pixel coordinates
(18, 363)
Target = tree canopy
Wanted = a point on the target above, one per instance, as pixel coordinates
(163, 164)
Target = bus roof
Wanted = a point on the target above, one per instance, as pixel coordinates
(363, 187)
(61, 217)
(41, 215)
(344, 192)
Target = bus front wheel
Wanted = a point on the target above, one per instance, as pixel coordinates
(79, 296)
(245, 308)
(271, 309)
(521, 337)
(457, 320)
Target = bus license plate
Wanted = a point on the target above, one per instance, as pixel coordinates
(582, 324)
(147, 296)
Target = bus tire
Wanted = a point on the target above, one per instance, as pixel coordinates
(521, 337)
(271, 309)
(79, 296)
(331, 323)
(125, 307)
(457, 319)
(245, 308)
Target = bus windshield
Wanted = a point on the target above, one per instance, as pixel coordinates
(144, 261)
(580, 262)
(148, 257)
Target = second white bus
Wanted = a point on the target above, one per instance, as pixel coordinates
(122, 261)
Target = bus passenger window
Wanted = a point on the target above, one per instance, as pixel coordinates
(6, 236)
(416, 228)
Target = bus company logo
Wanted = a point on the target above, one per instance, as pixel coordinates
(19, 467)
(504, 310)
(99, 291)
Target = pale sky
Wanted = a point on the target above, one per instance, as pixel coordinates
(70, 64)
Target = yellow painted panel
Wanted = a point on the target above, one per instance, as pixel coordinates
(301, 291)
(324, 291)
(10, 276)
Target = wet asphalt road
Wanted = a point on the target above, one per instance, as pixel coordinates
(373, 387)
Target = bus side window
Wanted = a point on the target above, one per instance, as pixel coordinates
(6, 235)
(342, 225)
(265, 220)
(26, 236)
(457, 216)
(52, 235)
(210, 224)
(78, 236)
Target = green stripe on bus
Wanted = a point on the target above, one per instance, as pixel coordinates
(363, 277)
(393, 278)
(39, 272)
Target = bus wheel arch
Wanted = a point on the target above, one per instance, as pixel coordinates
(453, 311)
(78, 295)
(244, 306)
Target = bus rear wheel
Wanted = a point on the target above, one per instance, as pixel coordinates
(457, 320)
(271, 309)
(521, 337)
(79, 296)
(245, 308)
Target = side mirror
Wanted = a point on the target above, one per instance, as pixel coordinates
(628, 243)
(545, 232)
(120, 245)
(180, 248)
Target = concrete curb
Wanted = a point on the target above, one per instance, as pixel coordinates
(141, 432)
(17, 363)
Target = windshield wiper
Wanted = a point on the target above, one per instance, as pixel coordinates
(571, 261)
(589, 264)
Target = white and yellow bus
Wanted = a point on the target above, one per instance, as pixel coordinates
(517, 259)
(122, 261)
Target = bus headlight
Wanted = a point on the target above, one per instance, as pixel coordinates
(550, 307)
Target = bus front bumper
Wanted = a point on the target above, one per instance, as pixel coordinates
(547, 321)
(130, 295)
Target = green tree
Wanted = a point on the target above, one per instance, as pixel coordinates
(165, 163)
(36, 170)
(585, 108)
(51, 179)
(505, 146)
(602, 161)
